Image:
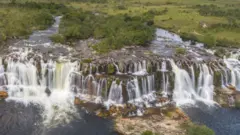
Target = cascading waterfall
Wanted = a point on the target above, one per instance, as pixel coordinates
(26, 86)
(140, 68)
(185, 90)
(205, 84)
(233, 65)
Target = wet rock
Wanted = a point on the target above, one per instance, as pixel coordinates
(233, 88)
(48, 92)
(181, 114)
(102, 113)
(152, 110)
(154, 123)
(77, 101)
(3, 94)
(163, 99)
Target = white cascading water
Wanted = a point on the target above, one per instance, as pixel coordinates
(25, 86)
(184, 89)
(205, 84)
(115, 94)
(234, 66)
(140, 68)
(165, 79)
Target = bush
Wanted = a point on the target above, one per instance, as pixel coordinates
(237, 104)
(227, 43)
(86, 60)
(180, 50)
(147, 133)
(194, 129)
(115, 31)
(18, 23)
(220, 52)
(209, 40)
(57, 38)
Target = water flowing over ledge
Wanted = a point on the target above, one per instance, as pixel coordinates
(31, 74)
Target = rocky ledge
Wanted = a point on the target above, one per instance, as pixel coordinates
(157, 121)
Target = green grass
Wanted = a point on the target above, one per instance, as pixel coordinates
(19, 20)
(195, 129)
(183, 17)
(19, 23)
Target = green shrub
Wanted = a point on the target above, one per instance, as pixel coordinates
(237, 104)
(147, 133)
(20, 23)
(220, 52)
(87, 60)
(58, 38)
(194, 129)
(111, 69)
(115, 31)
(180, 50)
(209, 40)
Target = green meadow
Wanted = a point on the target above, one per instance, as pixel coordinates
(213, 22)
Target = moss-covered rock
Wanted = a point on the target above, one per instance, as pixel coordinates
(110, 69)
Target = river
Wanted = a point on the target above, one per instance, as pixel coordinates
(42, 81)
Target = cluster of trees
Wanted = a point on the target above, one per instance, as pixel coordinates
(213, 10)
(114, 31)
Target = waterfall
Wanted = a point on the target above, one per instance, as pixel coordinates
(47, 86)
(140, 68)
(184, 87)
(205, 85)
(233, 65)
(115, 94)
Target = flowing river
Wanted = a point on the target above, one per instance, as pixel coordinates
(43, 78)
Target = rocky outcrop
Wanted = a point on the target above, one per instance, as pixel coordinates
(158, 123)
(3, 94)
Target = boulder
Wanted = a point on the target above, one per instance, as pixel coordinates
(3, 94)
(77, 101)
(163, 99)
(233, 88)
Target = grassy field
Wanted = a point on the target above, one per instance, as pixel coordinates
(216, 23)
(183, 17)
(18, 20)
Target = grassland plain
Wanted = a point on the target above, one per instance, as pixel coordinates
(18, 20)
(214, 22)
(183, 17)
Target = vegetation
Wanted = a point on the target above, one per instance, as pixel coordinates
(180, 50)
(18, 20)
(194, 129)
(58, 38)
(147, 132)
(237, 104)
(114, 31)
(215, 23)
(121, 23)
